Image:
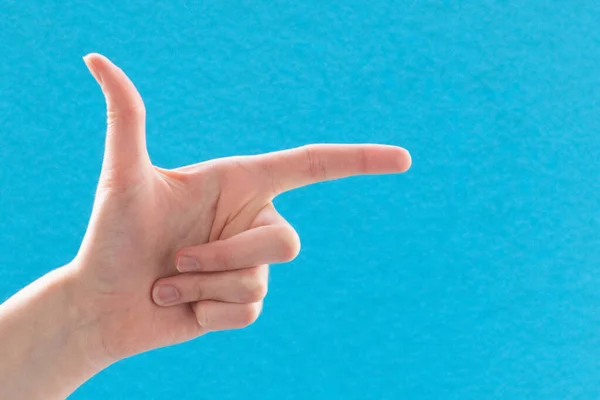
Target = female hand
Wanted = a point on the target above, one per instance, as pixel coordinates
(214, 220)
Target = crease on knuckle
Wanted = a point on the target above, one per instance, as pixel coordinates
(316, 168)
(132, 112)
(267, 171)
(362, 161)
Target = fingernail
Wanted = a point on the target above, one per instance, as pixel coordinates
(187, 264)
(93, 71)
(165, 294)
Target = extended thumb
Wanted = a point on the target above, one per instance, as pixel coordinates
(125, 151)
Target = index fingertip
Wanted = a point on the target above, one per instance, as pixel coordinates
(403, 160)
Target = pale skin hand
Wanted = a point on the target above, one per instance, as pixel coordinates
(219, 213)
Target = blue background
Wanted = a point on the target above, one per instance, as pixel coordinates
(474, 275)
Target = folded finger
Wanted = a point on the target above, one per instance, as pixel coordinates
(262, 245)
(217, 316)
(248, 285)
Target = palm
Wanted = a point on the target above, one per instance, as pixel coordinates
(143, 214)
(161, 219)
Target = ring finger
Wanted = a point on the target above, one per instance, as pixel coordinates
(248, 285)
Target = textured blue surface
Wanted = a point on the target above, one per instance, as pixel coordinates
(475, 275)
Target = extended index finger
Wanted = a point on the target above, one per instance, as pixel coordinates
(290, 169)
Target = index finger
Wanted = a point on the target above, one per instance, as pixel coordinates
(290, 169)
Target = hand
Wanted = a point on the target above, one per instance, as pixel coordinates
(220, 212)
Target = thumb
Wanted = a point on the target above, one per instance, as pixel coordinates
(125, 156)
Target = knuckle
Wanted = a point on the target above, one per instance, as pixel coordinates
(362, 160)
(259, 292)
(133, 112)
(289, 244)
(250, 314)
(251, 275)
(255, 285)
(316, 169)
(222, 261)
(266, 170)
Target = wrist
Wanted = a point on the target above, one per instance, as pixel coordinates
(85, 320)
(47, 338)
